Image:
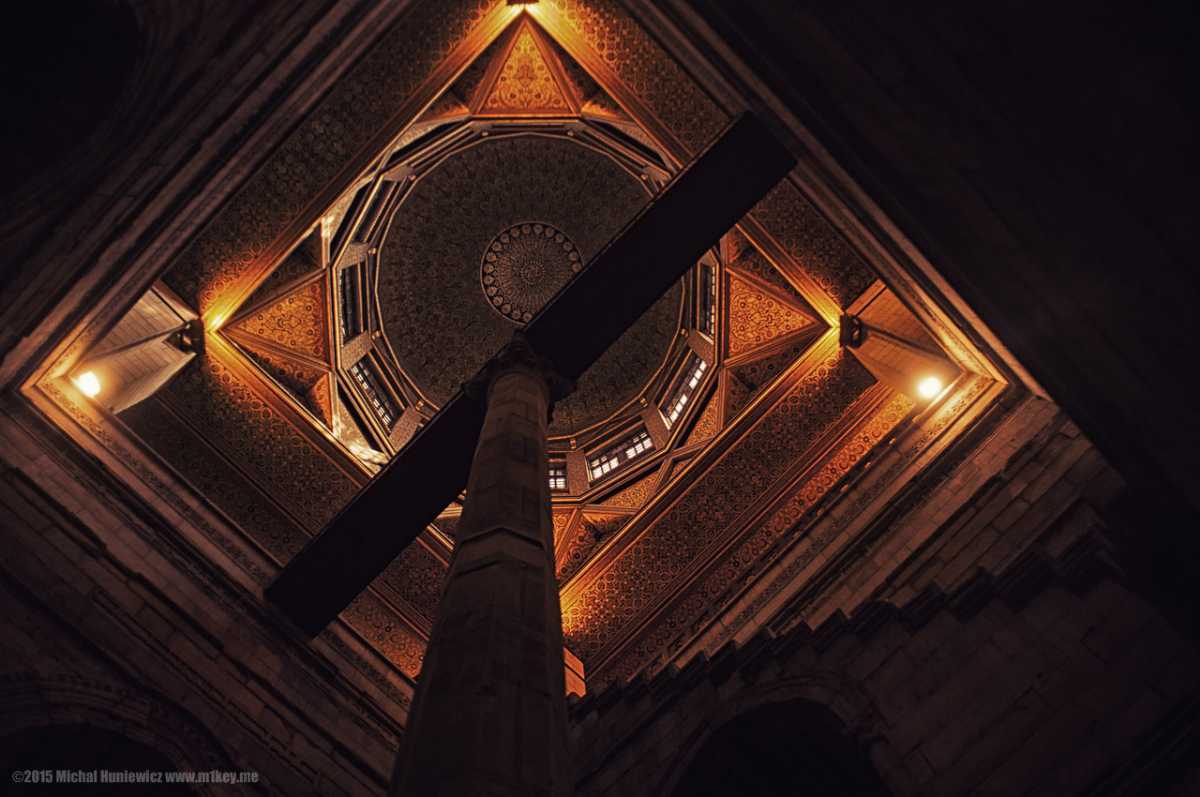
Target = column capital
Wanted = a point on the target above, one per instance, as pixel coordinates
(519, 355)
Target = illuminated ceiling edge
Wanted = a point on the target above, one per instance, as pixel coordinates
(874, 263)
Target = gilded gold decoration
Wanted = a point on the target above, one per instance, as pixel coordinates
(296, 321)
(644, 68)
(758, 318)
(585, 537)
(560, 518)
(235, 445)
(300, 378)
(320, 399)
(708, 424)
(636, 494)
(813, 244)
(745, 256)
(526, 84)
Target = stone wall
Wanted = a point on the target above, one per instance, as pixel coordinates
(982, 691)
(987, 640)
(110, 619)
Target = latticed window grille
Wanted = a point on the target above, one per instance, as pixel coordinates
(617, 455)
(384, 405)
(684, 389)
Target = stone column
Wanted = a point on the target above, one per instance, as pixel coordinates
(489, 715)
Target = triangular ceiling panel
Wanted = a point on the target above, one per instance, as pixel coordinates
(319, 399)
(760, 316)
(300, 262)
(737, 396)
(296, 321)
(528, 82)
(561, 519)
(573, 550)
(757, 374)
(744, 256)
(588, 94)
(574, 543)
(525, 72)
(584, 536)
(467, 85)
(311, 385)
(708, 424)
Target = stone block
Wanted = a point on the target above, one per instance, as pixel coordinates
(988, 751)
(1061, 455)
(881, 646)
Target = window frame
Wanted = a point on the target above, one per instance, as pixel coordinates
(684, 387)
(355, 292)
(614, 456)
(705, 320)
(556, 469)
(372, 385)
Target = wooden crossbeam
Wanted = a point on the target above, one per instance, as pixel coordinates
(621, 282)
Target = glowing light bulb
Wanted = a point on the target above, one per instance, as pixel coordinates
(89, 383)
(929, 387)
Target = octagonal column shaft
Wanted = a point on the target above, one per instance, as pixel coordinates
(489, 714)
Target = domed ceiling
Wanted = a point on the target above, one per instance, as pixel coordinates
(422, 211)
(482, 240)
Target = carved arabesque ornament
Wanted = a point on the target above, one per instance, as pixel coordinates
(524, 266)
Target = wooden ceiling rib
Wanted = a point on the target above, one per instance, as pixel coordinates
(525, 79)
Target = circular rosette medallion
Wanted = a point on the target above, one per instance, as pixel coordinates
(524, 266)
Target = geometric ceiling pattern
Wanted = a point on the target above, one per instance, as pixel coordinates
(322, 354)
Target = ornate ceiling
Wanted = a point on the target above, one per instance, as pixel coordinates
(484, 199)
(432, 200)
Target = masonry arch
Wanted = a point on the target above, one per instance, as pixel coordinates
(791, 747)
(799, 735)
(72, 722)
